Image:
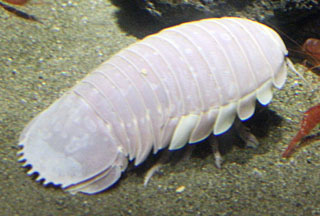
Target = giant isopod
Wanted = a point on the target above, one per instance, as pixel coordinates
(169, 89)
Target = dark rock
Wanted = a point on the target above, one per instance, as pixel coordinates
(295, 20)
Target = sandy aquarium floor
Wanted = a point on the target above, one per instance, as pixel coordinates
(40, 61)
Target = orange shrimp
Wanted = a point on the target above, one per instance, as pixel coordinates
(17, 2)
(17, 12)
(310, 120)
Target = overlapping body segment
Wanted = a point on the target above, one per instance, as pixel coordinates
(170, 89)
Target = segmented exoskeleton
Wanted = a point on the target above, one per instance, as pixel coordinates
(169, 89)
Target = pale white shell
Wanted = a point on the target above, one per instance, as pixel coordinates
(169, 89)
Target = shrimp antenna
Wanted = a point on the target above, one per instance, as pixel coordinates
(293, 69)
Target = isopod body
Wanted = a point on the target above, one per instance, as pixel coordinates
(169, 89)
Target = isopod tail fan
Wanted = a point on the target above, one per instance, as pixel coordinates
(103, 180)
(70, 146)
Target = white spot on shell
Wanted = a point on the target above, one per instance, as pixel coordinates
(225, 37)
(142, 120)
(188, 51)
(90, 125)
(154, 86)
(77, 143)
(57, 126)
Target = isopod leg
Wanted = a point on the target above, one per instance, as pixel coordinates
(215, 148)
(245, 134)
(166, 157)
(153, 170)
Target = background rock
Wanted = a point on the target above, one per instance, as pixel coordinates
(286, 16)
